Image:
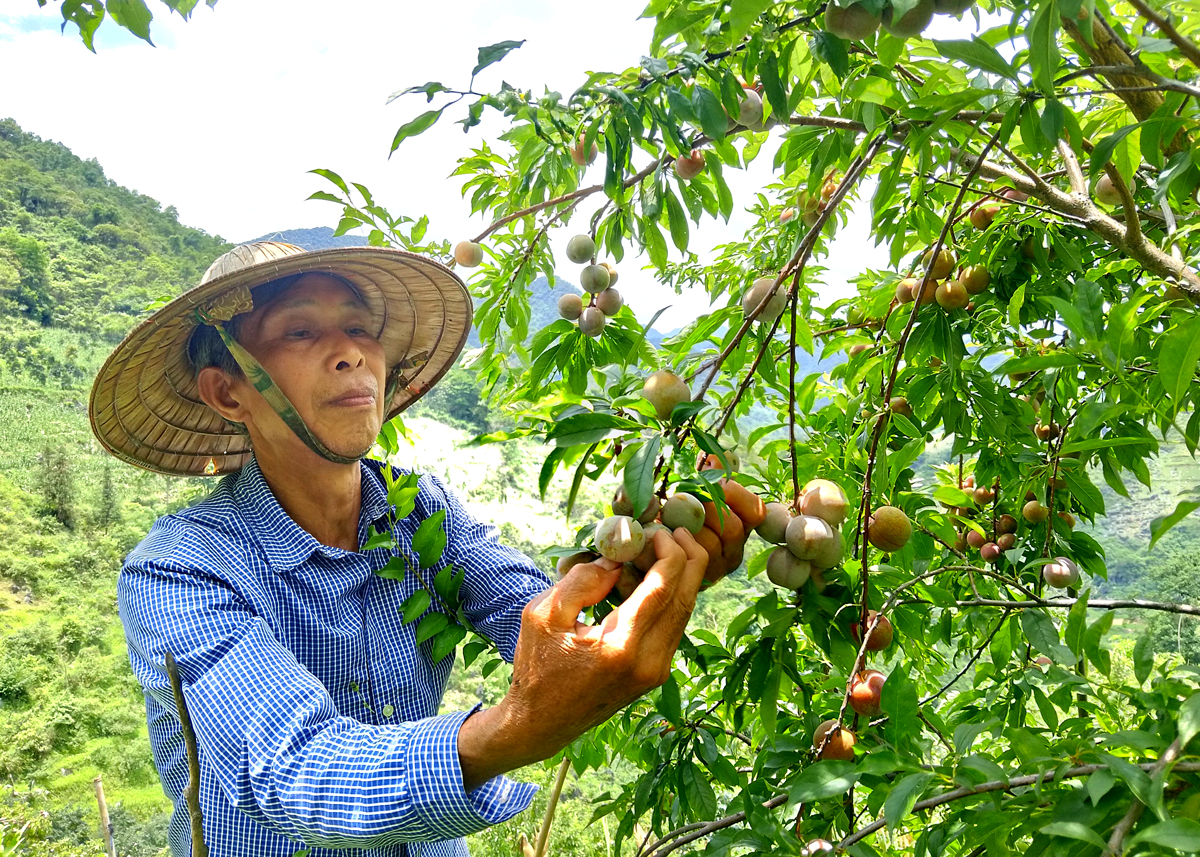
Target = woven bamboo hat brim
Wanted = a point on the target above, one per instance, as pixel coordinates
(145, 407)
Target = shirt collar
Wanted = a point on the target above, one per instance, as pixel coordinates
(284, 542)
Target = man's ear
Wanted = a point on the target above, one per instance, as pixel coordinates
(217, 391)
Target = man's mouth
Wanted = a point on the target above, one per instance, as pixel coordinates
(356, 398)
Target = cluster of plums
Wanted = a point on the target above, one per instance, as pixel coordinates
(949, 293)
(597, 281)
(1059, 573)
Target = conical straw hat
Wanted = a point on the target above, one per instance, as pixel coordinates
(145, 407)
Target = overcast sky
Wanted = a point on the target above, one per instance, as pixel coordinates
(224, 118)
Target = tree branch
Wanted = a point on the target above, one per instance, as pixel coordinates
(999, 786)
(1186, 47)
(1113, 604)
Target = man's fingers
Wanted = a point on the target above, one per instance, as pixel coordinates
(745, 503)
(585, 584)
(714, 557)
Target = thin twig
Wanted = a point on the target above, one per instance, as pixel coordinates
(547, 820)
(1186, 47)
(191, 792)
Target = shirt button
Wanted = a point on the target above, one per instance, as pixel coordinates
(388, 710)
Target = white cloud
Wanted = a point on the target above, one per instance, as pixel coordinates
(224, 119)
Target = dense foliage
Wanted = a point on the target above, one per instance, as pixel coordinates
(1056, 150)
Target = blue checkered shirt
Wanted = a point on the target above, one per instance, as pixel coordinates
(315, 710)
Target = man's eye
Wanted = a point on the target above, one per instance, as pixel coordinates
(357, 331)
(298, 334)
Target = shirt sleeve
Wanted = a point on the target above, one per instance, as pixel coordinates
(500, 580)
(269, 732)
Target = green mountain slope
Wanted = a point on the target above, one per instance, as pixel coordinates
(80, 258)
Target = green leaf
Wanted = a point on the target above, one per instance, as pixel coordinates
(1177, 360)
(133, 15)
(1178, 834)
(493, 54)
(394, 570)
(1096, 653)
(1103, 152)
(699, 793)
(415, 605)
(823, 780)
(899, 702)
(417, 126)
(677, 222)
(446, 641)
(639, 472)
(1074, 830)
(1043, 636)
(429, 541)
(589, 428)
(901, 798)
(379, 540)
(1159, 526)
(1143, 657)
(743, 14)
(669, 705)
(1077, 624)
(768, 72)
(978, 54)
(707, 106)
(1189, 719)
(832, 51)
(430, 625)
(1044, 57)
(1099, 784)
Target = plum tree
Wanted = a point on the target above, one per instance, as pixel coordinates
(594, 279)
(591, 321)
(826, 500)
(1080, 315)
(951, 294)
(982, 216)
(622, 505)
(582, 154)
(1061, 573)
(1107, 193)
(665, 390)
(1034, 512)
(854, 22)
(808, 536)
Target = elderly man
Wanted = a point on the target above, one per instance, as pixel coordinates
(314, 707)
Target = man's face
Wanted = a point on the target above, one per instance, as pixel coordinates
(317, 342)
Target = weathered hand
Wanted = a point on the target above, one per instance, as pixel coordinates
(569, 676)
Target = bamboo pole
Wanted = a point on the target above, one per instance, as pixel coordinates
(105, 825)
